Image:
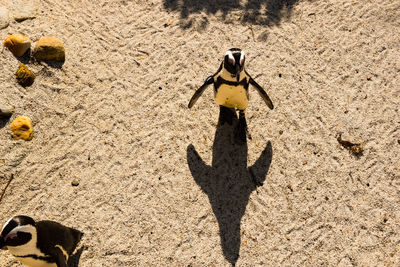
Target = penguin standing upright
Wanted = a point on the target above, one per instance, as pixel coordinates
(231, 84)
(39, 244)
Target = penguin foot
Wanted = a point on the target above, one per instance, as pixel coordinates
(242, 131)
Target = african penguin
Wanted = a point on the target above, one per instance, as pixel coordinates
(231, 84)
(39, 244)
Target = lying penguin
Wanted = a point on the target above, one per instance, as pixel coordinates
(231, 84)
(39, 244)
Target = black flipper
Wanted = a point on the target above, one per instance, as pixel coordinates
(262, 92)
(77, 236)
(59, 256)
(199, 92)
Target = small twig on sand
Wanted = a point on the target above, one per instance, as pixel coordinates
(137, 62)
(5, 188)
(252, 32)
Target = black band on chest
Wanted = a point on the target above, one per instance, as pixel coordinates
(221, 80)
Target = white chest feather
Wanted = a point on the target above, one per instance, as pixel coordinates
(232, 96)
(35, 263)
(29, 249)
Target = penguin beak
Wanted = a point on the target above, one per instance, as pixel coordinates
(237, 72)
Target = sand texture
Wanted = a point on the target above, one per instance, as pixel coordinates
(162, 185)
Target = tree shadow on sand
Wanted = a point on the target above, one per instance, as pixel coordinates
(228, 182)
(257, 12)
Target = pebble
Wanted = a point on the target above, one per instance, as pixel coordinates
(50, 49)
(23, 11)
(25, 77)
(21, 128)
(75, 182)
(6, 111)
(4, 17)
(18, 44)
(17, 159)
(34, 187)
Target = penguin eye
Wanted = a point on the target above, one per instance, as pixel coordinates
(10, 236)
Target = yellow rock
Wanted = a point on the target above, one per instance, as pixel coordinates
(21, 128)
(25, 77)
(18, 44)
(49, 48)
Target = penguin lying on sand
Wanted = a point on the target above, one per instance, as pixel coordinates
(231, 84)
(39, 244)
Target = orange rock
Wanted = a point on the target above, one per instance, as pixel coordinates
(25, 77)
(49, 48)
(18, 44)
(21, 128)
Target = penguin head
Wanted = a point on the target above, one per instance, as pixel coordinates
(17, 231)
(234, 62)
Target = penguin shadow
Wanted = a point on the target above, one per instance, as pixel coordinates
(228, 182)
(257, 12)
(73, 260)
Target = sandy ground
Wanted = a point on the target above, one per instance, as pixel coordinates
(161, 185)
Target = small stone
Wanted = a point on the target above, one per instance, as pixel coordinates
(25, 77)
(168, 23)
(6, 111)
(21, 128)
(75, 182)
(50, 49)
(23, 11)
(17, 159)
(34, 187)
(385, 219)
(18, 44)
(4, 17)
